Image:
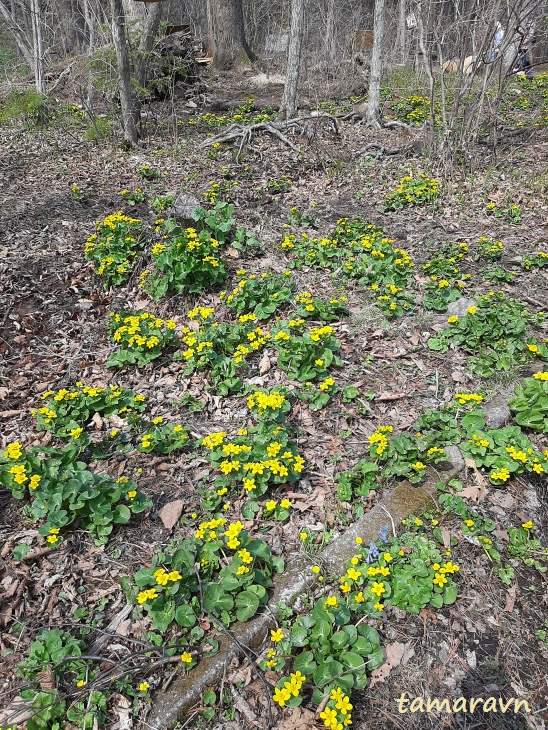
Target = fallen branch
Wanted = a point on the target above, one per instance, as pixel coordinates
(381, 150)
(245, 133)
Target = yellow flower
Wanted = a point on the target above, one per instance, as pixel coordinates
(276, 635)
(144, 686)
(186, 658)
(270, 505)
(378, 606)
(528, 525)
(281, 696)
(303, 536)
(316, 569)
(285, 504)
(378, 589)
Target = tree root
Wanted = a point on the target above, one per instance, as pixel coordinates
(244, 134)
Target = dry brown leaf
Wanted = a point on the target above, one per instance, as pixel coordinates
(385, 396)
(98, 421)
(446, 536)
(300, 719)
(232, 252)
(264, 364)
(16, 713)
(396, 654)
(10, 414)
(510, 599)
(122, 708)
(170, 513)
(475, 494)
(3, 393)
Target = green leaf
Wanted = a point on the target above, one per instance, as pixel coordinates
(305, 663)
(436, 601)
(299, 636)
(324, 673)
(20, 551)
(185, 616)
(216, 600)
(450, 595)
(122, 515)
(247, 604)
(352, 660)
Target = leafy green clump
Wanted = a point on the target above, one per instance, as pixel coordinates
(114, 247)
(531, 403)
(260, 295)
(140, 336)
(494, 333)
(61, 490)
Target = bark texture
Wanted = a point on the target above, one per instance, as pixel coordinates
(127, 101)
(288, 108)
(227, 42)
(373, 111)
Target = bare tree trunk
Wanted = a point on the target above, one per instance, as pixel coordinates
(401, 41)
(330, 33)
(373, 111)
(288, 107)
(124, 79)
(90, 25)
(38, 45)
(149, 28)
(20, 36)
(226, 34)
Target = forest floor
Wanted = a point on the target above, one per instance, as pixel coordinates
(493, 640)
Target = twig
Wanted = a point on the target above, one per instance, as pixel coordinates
(267, 686)
(391, 519)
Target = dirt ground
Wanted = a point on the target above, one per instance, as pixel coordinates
(52, 333)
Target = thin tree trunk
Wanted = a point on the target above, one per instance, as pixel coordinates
(373, 111)
(90, 25)
(401, 41)
(288, 107)
(149, 28)
(124, 79)
(21, 38)
(38, 46)
(330, 33)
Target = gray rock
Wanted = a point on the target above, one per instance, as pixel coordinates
(459, 307)
(496, 412)
(183, 207)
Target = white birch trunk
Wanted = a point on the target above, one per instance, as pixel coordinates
(288, 108)
(373, 111)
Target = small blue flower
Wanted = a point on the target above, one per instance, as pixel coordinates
(383, 533)
(373, 553)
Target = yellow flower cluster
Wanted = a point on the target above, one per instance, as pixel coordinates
(289, 689)
(464, 398)
(13, 451)
(207, 530)
(500, 475)
(326, 384)
(342, 705)
(163, 577)
(319, 333)
(541, 376)
(380, 439)
(263, 401)
(148, 595)
(478, 441)
(135, 329)
(257, 338)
